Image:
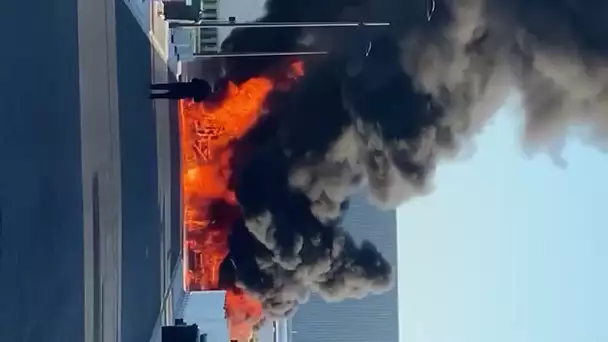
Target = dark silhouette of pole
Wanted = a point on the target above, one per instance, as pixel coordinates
(257, 24)
(257, 54)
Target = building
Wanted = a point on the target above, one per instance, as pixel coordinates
(207, 39)
(266, 332)
(282, 331)
(374, 318)
(206, 309)
(210, 39)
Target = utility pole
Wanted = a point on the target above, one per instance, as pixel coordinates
(259, 24)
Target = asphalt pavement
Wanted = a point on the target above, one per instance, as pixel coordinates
(41, 246)
(88, 230)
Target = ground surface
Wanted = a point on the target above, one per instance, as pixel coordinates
(85, 196)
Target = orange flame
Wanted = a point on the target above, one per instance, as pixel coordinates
(206, 130)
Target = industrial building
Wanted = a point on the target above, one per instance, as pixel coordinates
(207, 39)
(373, 318)
(206, 309)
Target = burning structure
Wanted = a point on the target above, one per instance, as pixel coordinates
(270, 164)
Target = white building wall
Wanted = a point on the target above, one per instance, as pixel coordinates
(266, 333)
(206, 309)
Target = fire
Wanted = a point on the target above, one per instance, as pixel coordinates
(206, 130)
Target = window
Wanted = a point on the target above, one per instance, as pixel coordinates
(210, 13)
(208, 33)
(208, 47)
(209, 30)
(208, 36)
(210, 4)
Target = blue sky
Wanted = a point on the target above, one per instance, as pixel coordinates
(507, 248)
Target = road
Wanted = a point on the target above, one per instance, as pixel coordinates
(87, 207)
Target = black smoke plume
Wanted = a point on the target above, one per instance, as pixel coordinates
(381, 118)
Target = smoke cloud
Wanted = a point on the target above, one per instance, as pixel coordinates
(381, 118)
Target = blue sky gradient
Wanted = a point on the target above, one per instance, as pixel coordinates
(507, 248)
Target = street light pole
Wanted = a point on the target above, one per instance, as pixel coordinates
(257, 54)
(257, 24)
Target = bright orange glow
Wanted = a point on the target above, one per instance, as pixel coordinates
(298, 68)
(206, 131)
